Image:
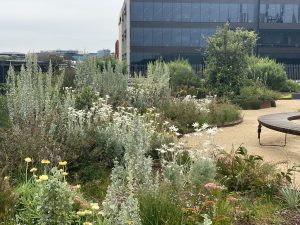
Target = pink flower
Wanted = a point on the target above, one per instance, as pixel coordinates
(210, 185)
(231, 199)
(214, 186)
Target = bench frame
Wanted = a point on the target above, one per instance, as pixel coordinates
(280, 122)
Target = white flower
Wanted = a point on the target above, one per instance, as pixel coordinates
(205, 126)
(173, 129)
(195, 125)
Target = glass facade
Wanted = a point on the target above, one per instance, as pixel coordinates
(280, 13)
(180, 28)
(170, 37)
(192, 11)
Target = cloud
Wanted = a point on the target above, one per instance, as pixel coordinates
(34, 25)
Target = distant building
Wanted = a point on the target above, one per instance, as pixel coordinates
(12, 55)
(151, 29)
(103, 53)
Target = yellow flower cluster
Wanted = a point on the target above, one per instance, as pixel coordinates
(45, 161)
(28, 160)
(84, 213)
(64, 163)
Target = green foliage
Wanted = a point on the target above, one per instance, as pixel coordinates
(27, 212)
(54, 201)
(227, 59)
(291, 86)
(268, 72)
(149, 91)
(85, 99)
(160, 208)
(8, 198)
(4, 117)
(251, 97)
(240, 171)
(105, 61)
(290, 196)
(107, 81)
(183, 80)
(223, 112)
(260, 210)
(202, 171)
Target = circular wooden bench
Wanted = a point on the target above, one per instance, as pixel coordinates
(281, 122)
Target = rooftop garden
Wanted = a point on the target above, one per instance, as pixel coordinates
(107, 149)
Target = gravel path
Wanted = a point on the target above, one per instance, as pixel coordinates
(246, 134)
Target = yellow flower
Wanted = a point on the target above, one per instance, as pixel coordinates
(45, 161)
(87, 223)
(38, 180)
(78, 186)
(28, 160)
(61, 170)
(95, 206)
(33, 170)
(64, 163)
(88, 212)
(81, 213)
(6, 178)
(64, 174)
(43, 178)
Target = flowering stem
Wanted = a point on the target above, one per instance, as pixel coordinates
(26, 171)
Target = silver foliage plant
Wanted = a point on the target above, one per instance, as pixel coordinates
(109, 80)
(150, 90)
(32, 95)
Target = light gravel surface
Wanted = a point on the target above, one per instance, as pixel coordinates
(246, 134)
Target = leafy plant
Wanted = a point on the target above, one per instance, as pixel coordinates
(227, 59)
(268, 72)
(291, 196)
(160, 208)
(85, 99)
(240, 171)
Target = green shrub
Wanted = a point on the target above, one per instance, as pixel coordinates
(4, 118)
(222, 113)
(54, 201)
(291, 86)
(202, 171)
(252, 96)
(161, 208)
(227, 59)
(183, 113)
(240, 171)
(85, 99)
(183, 80)
(267, 71)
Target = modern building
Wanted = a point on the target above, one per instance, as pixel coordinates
(103, 53)
(150, 29)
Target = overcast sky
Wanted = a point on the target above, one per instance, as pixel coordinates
(34, 25)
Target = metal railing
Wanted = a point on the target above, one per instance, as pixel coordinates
(293, 71)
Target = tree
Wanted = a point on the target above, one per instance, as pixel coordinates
(227, 59)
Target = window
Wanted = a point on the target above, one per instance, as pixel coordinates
(195, 37)
(214, 12)
(196, 12)
(167, 11)
(147, 37)
(157, 37)
(176, 12)
(167, 37)
(205, 11)
(137, 39)
(176, 37)
(186, 37)
(148, 11)
(157, 11)
(137, 11)
(234, 12)
(186, 12)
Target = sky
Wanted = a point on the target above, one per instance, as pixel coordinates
(35, 25)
